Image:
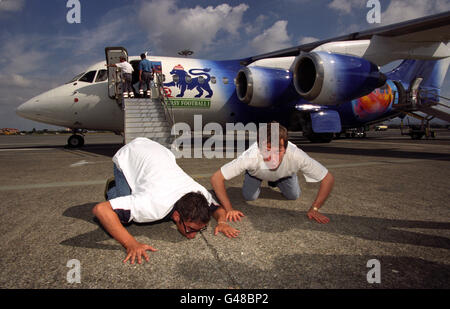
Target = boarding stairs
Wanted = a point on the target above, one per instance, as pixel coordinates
(148, 117)
(424, 105)
(424, 101)
(428, 107)
(152, 118)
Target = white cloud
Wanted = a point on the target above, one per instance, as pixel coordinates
(255, 26)
(397, 10)
(307, 39)
(11, 5)
(401, 10)
(170, 28)
(273, 38)
(107, 34)
(346, 6)
(14, 80)
(20, 54)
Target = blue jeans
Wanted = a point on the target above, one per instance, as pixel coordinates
(288, 186)
(121, 188)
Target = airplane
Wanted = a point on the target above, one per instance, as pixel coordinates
(321, 88)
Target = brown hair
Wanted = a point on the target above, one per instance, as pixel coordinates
(194, 207)
(282, 133)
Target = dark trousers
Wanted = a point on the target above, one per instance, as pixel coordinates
(126, 82)
(146, 79)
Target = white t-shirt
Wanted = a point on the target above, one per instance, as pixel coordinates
(155, 179)
(125, 67)
(294, 160)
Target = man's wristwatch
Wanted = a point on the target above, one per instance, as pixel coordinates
(315, 208)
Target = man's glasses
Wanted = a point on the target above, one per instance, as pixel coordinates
(189, 230)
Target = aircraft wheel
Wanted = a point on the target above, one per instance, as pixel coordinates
(75, 141)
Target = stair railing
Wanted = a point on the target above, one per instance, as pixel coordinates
(164, 100)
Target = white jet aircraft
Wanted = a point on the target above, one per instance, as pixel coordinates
(321, 88)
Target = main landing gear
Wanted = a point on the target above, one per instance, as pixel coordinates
(75, 140)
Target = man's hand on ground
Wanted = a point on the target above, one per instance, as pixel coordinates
(234, 215)
(312, 214)
(226, 230)
(137, 250)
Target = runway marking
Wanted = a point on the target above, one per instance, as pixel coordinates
(25, 149)
(80, 163)
(199, 176)
(53, 185)
(395, 143)
(84, 162)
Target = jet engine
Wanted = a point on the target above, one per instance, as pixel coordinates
(261, 86)
(330, 79)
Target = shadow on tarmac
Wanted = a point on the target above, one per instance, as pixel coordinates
(155, 230)
(321, 271)
(376, 229)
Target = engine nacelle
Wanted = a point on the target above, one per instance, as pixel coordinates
(330, 79)
(261, 86)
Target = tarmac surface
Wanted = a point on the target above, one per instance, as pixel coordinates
(390, 203)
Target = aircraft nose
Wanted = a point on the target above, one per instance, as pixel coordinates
(24, 109)
(32, 109)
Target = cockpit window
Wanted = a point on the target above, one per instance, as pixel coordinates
(101, 76)
(75, 78)
(88, 77)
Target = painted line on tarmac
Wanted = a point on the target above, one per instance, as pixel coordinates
(25, 149)
(53, 185)
(395, 143)
(198, 176)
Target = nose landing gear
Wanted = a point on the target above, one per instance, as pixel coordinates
(75, 140)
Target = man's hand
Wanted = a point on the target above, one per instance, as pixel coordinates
(313, 214)
(137, 250)
(226, 230)
(234, 215)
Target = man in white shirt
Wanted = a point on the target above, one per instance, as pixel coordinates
(127, 70)
(277, 164)
(150, 186)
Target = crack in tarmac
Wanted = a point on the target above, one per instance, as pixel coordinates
(220, 263)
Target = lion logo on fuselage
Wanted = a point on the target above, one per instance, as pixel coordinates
(186, 82)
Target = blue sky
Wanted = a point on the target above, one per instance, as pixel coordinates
(40, 50)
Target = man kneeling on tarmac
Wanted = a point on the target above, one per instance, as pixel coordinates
(150, 186)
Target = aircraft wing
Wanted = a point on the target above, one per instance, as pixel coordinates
(419, 38)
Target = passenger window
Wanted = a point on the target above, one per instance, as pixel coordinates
(175, 78)
(201, 79)
(101, 76)
(225, 80)
(213, 79)
(88, 77)
(188, 79)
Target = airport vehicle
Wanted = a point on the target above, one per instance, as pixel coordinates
(381, 127)
(321, 88)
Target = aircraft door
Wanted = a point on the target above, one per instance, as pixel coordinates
(113, 55)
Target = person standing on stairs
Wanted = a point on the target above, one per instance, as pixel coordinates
(145, 76)
(127, 70)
